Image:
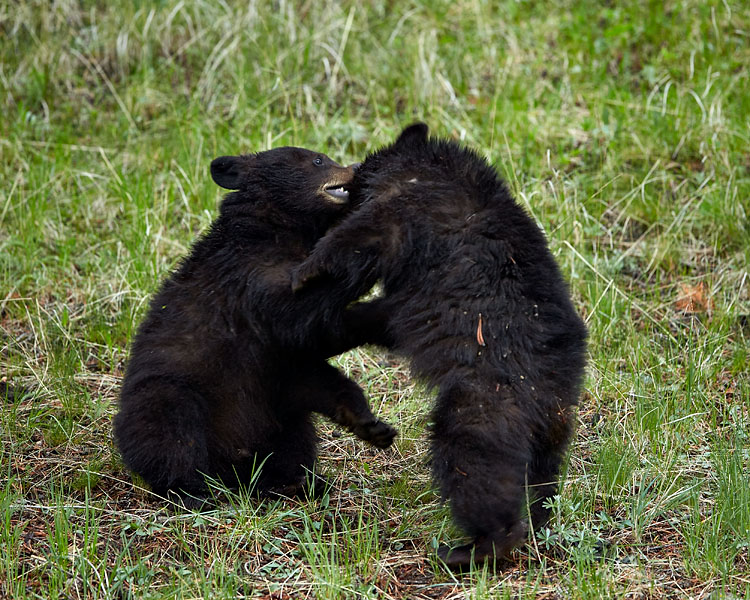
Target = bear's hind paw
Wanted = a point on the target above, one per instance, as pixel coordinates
(482, 550)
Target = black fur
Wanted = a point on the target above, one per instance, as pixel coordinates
(228, 364)
(477, 302)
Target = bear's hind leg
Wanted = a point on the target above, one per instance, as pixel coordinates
(289, 469)
(549, 450)
(480, 451)
(324, 389)
(160, 433)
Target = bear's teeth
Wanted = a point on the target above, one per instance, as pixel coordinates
(339, 193)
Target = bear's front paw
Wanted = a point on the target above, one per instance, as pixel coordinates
(377, 433)
(304, 274)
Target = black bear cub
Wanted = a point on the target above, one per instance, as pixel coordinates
(228, 364)
(475, 299)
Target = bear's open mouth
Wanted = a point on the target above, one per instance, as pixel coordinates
(338, 193)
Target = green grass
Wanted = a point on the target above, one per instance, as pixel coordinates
(624, 129)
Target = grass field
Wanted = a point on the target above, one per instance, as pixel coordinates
(624, 128)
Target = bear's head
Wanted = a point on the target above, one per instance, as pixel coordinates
(294, 179)
(385, 171)
(416, 158)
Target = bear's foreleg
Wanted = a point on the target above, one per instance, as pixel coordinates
(325, 390)
(350, 254)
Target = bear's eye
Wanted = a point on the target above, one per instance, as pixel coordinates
(318, 162)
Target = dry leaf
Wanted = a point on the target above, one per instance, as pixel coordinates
(694, 299)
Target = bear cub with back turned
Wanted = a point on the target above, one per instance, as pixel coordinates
(476, 300)
(228, 364)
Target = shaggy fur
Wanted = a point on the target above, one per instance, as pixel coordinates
(475, 299)
(228, 365)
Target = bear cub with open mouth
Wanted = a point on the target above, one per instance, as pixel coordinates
(228, 364)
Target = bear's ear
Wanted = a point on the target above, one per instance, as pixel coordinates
(226, 171)
(416, 132)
